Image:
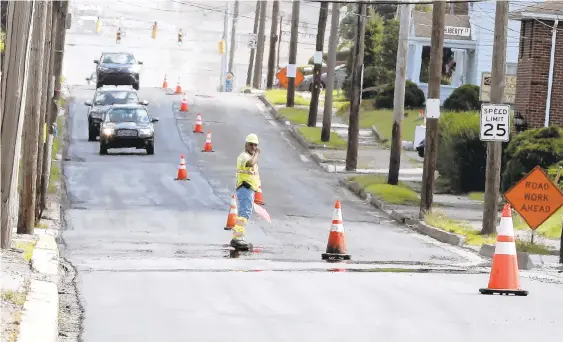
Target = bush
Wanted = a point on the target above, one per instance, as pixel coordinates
(541, 146)
(414, 97)
(464, 98)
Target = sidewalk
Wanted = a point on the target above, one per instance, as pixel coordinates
(456, 219)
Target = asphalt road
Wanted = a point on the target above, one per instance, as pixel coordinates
(152, 259)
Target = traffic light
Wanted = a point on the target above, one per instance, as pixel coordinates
(221, 46)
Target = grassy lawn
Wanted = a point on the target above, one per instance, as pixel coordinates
(377, 185)
(55, 176)
(382, 119)
(279, 97)
(313, 136)
(338, 101)
(476, 196)
(550, 229)
(473, 237)
(297, 116)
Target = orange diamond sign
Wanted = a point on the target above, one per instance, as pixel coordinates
(282, 77)
(535, 197)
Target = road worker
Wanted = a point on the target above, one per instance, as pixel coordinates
(180, 36)
(248, 182)
(118, 36)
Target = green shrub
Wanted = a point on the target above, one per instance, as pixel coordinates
(540, 146)
(464, 98)
(414, 96)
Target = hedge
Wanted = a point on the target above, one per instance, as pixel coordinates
(414, 97)
(464, 98)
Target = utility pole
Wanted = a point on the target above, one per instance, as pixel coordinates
(331, 63)
(62, 10)
(48, 90)
(19, 30)
(434, 81)
(253, 50)
(273, 40)
(257, 81)
(494, 148)
(26, 217)
(318, 60)
(224, 55)
(279, 42)
(399, 102)
(233, 34)
(291, 66)
(356, 93)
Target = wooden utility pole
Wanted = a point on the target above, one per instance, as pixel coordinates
(273, 40)
(318, 60)
(356, 93)
(26, 219)
(435, 78)
(61, 13)
(253, 51)
(494, 148)
(292, 66)
(279, 43)
(257, 81)
(19, 30)
(48, 88)
(399, 101)
(331, 64)
(233, 38)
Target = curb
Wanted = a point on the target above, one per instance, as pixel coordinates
(402, 218)
(525, 260)
(40, 315)
(45, 258)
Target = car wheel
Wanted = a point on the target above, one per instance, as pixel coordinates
(98, 85)
(92, 134)
(420, 152)
(150, 149)
(103, 148)
(136, 86)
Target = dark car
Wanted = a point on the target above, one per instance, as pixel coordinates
(126, 126)
(117, 68)
(104, 98)
(420, 149)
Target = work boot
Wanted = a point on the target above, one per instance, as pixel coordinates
(238, 234)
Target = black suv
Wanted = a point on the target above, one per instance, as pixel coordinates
(127, 125)
(117, 68)
(105, 97)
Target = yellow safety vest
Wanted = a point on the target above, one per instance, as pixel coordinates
(247, 174)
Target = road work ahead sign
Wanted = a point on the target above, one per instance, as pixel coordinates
(495, 122)
(535, 197)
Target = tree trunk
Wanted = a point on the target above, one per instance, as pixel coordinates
(19, 30)
(26, 219)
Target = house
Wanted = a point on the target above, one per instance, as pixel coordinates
(468, 46)
(539, 86)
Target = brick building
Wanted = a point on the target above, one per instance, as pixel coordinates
(535, 89)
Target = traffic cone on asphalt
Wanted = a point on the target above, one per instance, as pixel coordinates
(165, 83)
(182, 171)
(208, 146)
(233, 212)
(504, 277)
(258, 198)
(184, 105)
(178, 87)
(336, 246)
(198, 128)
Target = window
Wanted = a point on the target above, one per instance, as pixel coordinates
(511, 68)
(117, 115)
(115, 97)
(119, 58)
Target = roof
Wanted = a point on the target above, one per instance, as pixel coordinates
(128, 105)
(423, 24)
(107, 88)
(544, 10)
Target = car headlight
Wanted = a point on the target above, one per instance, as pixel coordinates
(145, 131)
(107, 131)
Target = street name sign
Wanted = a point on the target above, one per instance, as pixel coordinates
(495, 122)
(535, 197)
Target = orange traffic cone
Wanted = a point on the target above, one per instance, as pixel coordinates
(178, 87)
(184, 105)
(258, 198)
(208, 146)
(165, 83)
(198, 128)
(504, 277)
(233, 212)
(182, 171)
(336, 246)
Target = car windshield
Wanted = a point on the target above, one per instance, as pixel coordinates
(107, 98)
(118, 58)
(118, 115)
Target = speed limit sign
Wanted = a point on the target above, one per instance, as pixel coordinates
(495, 122)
